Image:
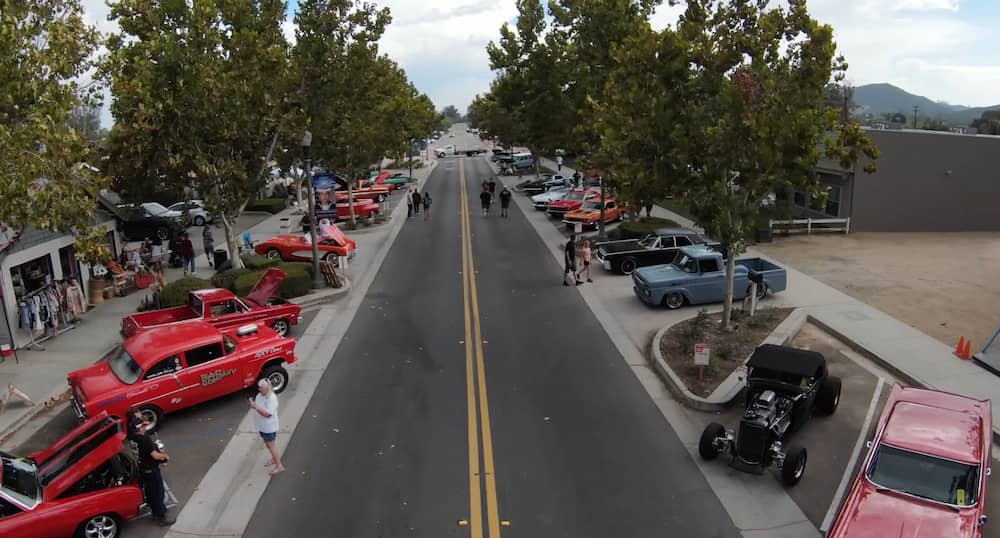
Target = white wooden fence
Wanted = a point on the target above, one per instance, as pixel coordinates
(809, 226)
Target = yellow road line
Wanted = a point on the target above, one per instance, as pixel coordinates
(470, 289)
(475, 499)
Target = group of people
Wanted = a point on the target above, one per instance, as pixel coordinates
(570, 257)
(487, 195)
(414, 201)
(151, 454)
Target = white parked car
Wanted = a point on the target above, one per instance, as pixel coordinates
(157, 210)
(542, 201)
(197, 214)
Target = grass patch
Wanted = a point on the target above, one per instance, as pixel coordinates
(676, 205)
(729, 348)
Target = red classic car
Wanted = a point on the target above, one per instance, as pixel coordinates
(299, 247)
(363, 209)
(85, 484)
(377, 193)
(171, 367)
(589, 214)
(222, 308)
(925, 472)
(573, 200)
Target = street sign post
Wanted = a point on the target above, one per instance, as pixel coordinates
(702, 357)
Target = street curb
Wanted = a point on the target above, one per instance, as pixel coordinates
(38, 409)
(730, 388)
(327, 295)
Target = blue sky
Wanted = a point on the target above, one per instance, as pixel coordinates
(941, 49)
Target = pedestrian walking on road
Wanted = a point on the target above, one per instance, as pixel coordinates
(649, 208)
(427, 205)
(265, 419)
(586, 257)
(485, 198)
(493, 187)
(409, 203)
(150, 458)
(208, 242)
(569, 257)
(187, 254)
(416, 202)
(505, 195)
(559, 163)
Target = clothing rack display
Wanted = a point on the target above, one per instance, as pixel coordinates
(50, 311)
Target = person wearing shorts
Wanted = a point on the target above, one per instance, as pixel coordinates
(265, 406)
(586, 262)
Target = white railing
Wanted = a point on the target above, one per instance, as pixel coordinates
(809, 226)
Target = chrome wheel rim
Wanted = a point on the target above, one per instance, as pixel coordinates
(149, 416)
(101, 527)
(675, 300)
(273, 254)
(280, 327)
(800, 468)
(277, 381)
(628, 267)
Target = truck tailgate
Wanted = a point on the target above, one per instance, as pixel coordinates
(144, 320)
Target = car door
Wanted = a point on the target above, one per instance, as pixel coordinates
(208, 373)
(160, 385)
(711, 283)
(662, 252)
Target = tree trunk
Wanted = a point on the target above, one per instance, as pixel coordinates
(350, 202)
(727, 307)
(231, 242)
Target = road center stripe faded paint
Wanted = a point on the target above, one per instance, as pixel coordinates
(476, 373)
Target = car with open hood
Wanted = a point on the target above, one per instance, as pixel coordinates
(224, 309)
(298, 248)
(85, 484)
(589, 214)
(925, 472)
(172, 367)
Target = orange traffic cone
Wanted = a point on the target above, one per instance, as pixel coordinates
(967, 350)
(959, 347)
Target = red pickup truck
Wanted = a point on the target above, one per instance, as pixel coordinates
(222, 308)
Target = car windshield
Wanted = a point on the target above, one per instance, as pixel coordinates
(155, 208)
(589, 205)
(575, 196)
(20, 481)
(925, 476)
(649, 241)
(686, 263)
(123, 365)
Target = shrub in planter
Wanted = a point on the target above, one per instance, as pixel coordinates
(227, 279)
(635, 229)
(176, 292)
(254, 262)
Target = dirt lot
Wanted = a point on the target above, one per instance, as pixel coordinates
(945, 284)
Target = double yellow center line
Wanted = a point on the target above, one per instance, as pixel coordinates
(481, 475)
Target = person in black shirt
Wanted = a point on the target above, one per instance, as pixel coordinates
(150, 458)
(485, 198)
(504, 202)
(570, 259)
(492, 186)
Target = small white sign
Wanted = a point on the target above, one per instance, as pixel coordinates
(578, 227)
(702, 354)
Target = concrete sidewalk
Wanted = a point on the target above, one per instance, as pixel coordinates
(905, 351)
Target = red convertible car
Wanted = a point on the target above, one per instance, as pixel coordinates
(298, 248)
(86, 484)
(925, 472)
(172, 367)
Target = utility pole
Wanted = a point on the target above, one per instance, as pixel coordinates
(313, 221)
(915, 110)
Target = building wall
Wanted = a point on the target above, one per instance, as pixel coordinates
(929, 182)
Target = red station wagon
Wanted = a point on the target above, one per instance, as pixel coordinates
(925, 473)
(171, 367)
(86, 484)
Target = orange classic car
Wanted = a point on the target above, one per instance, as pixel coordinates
(590, 213)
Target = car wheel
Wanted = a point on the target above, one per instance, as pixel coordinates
(199, 221)
(706, 445)
(153, 415)
(761, 291)
(102, 526)
(828, 397)
(629, 265)
(273, 254)
(163, 233)
(673, 300)
(794, 466)
(277, 376)
(330, 257)
(280, 326)
(380, 198)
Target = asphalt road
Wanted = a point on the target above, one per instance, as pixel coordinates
(399, 443)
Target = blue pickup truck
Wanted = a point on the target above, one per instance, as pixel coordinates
(698, 276)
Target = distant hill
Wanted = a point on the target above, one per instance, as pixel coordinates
(885, 98)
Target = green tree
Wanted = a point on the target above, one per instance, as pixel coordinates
(755, 114)
(45, 181)
(488, 114)
(988, 122)
(200, 99)
(450, 116)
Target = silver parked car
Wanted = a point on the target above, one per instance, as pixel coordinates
(542, 201)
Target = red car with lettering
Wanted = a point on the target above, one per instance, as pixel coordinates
(86, 484)
(222, 308)
(925, 472)
(172, 367)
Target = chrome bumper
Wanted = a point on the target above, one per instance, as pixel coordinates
(77, 409)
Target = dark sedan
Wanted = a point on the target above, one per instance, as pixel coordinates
(659, 247)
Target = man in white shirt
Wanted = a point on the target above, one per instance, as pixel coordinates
(265, 406)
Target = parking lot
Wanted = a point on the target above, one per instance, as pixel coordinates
(830, 441)
(944, 284)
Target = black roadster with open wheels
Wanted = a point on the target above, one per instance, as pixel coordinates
(784, 386)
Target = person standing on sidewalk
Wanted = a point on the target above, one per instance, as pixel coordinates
(265, 419)
(505, 195)
(559, 163)
(409, 203)
(416, 202)
(569, 257)
(586, 257)
(187, 254)
(208, 242)
(427, 205)
(576, 180)
(485, 198)
(649, 208)
(150, 458)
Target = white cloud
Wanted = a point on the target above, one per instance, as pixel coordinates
(951, 5)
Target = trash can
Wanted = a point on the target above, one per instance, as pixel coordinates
(221, 257)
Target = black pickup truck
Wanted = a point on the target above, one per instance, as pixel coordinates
(657, 248)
